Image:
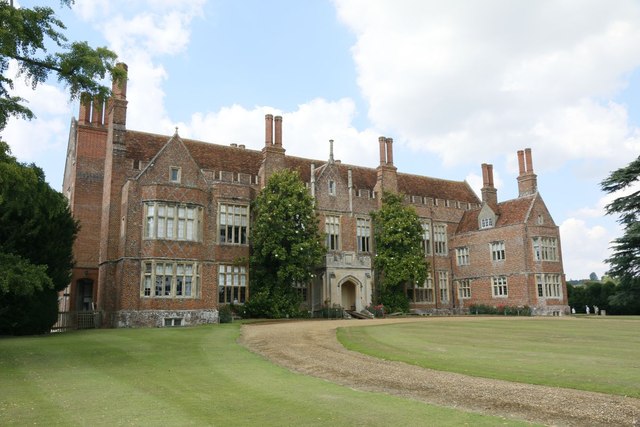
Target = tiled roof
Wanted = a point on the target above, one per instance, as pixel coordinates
(509, 212)
(514, 211)
(415, 185)
(144, 146)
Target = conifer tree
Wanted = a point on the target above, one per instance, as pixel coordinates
(625, 261)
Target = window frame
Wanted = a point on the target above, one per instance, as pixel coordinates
(332, 232)
(443, 291)
(331, 187)
(440, 240)
(233, 284)
(426, 238)
(153, 269)
(230, 233)
(486, 222)
(499, 287)
(363, 234)
(162, 221)
(462, 256)
(545, 249)
(464, 288)
(549, 286)
(498, 251)
(177, 171)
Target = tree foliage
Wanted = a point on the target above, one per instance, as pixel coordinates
(625, 261)
(24, 37)
(399, 257)
(37, 233)
(286, 246)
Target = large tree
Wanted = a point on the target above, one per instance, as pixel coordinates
(37, 233)
(625, 261)
(286, 246)
(25, 36)
(399, 259)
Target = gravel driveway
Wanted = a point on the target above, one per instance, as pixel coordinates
(311, 348)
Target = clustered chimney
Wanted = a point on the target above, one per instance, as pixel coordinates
(386, 151)
(95, 112)
(527, 180)
(273, 152)
(273, 138)
(489, 191)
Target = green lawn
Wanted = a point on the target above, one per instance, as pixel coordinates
(183, 376)
(588, 353)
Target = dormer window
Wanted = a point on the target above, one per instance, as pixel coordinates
(174, 174)
(486, 223)
(332, 187)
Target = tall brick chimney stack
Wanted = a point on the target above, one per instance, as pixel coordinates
(527, 180)
(489, 192)
(383, 150)
(119, 89)
(273, 158)
(96, 113)
(268, 130)
(278, 131)
(387, 174)
(116, 117)
(84, 116)
(389, 144)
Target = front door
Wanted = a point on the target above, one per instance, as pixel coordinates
(349, 296)
(84, 302)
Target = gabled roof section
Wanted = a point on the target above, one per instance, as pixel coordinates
(514, 211)
(509, 212)
(144, 146)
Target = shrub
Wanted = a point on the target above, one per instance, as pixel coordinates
(501, 309)
(225, 314)
(376, 310)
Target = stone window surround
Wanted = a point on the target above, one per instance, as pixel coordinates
(177, 289)
(464, 288)
(499, 287)
(233, 223)
(233, 284)
(172, 221)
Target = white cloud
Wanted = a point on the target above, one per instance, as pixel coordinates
(588, 246)
(140, 33)
(306, 131)
(463, 80)
(39, 140)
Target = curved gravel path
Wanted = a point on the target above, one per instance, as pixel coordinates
(311, 348)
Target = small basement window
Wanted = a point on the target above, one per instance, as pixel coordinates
(172, 321)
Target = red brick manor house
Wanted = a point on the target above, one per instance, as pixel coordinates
(165, 223)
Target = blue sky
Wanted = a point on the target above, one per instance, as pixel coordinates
(456, 84)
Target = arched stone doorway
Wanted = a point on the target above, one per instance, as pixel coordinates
(348, 300)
